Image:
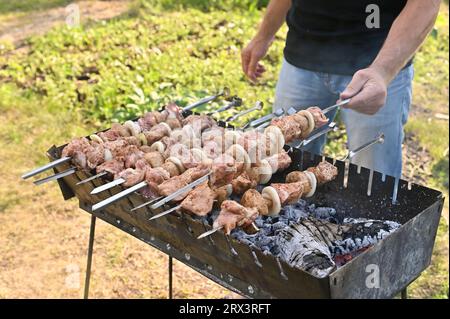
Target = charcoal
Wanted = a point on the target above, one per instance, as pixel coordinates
(310, 237)
(324, 213)
(263, 241)
(259, 222)
(278, 225)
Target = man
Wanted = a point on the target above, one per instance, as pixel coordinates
(358, 49)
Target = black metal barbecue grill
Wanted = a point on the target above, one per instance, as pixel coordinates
(357, 192)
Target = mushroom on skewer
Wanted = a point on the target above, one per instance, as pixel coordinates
(271, 199)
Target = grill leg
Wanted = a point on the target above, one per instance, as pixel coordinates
(89, 257)
(170, 268)
(405, 293)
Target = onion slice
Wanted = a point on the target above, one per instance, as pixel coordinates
(280, 141)
(158, 147)
(313, 183)
(177, 163)
(142, 138)
(265, 172)
(132, 127)
(96, 138)
(271, 195)
(240, 155)
(231, 137)
(169, 130)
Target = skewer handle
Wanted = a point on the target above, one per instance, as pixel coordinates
(258, 106)
(236, 101)
(46, 167)
(225, 92)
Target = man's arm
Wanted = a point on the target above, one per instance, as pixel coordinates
(258, 46)
(368, 88)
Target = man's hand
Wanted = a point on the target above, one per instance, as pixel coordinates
(251, 55)
(367, 90)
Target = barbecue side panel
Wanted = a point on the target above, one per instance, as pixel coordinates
(390, 266)
(227, 262)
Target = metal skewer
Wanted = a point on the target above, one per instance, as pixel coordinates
(210, 232)
(331, 127)
(143, 184)
(262, 126)
(280, 112)
(55, 176)
(351, 154)
(266, 118)
(92, 178)
(118, 196)
(225, 92)
(46, 167)
(145, 204)
(264, 121)
(107, 186)
(331, 108)
(164, 213)
(258, 106)
(236, 101)
(180, 191)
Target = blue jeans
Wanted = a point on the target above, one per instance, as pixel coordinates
(301, 88)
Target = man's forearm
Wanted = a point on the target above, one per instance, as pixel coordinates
(406, 35)
(273, 19)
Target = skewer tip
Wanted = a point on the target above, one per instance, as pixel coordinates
(209, 232)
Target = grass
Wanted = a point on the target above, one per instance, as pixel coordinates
(73, 81)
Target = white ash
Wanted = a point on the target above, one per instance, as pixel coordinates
(310, 237)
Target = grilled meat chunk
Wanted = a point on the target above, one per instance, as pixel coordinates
(233, 214)
(151, 119)
(252, 198)
(319, 118)
(290, 128)
(175, 183)
(156, 133)
(223, 170)
(132, 176)
(199, 122)
(199, 201)
(324, 172)
(299, 177)
(154, 177)
(95, 155)
(112, 167)
(155, 159)
(289, 193)
(243, 183)
(279, 161)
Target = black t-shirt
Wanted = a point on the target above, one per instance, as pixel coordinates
(332, 35)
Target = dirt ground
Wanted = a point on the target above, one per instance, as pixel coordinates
(16, 29)
(43, 239)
